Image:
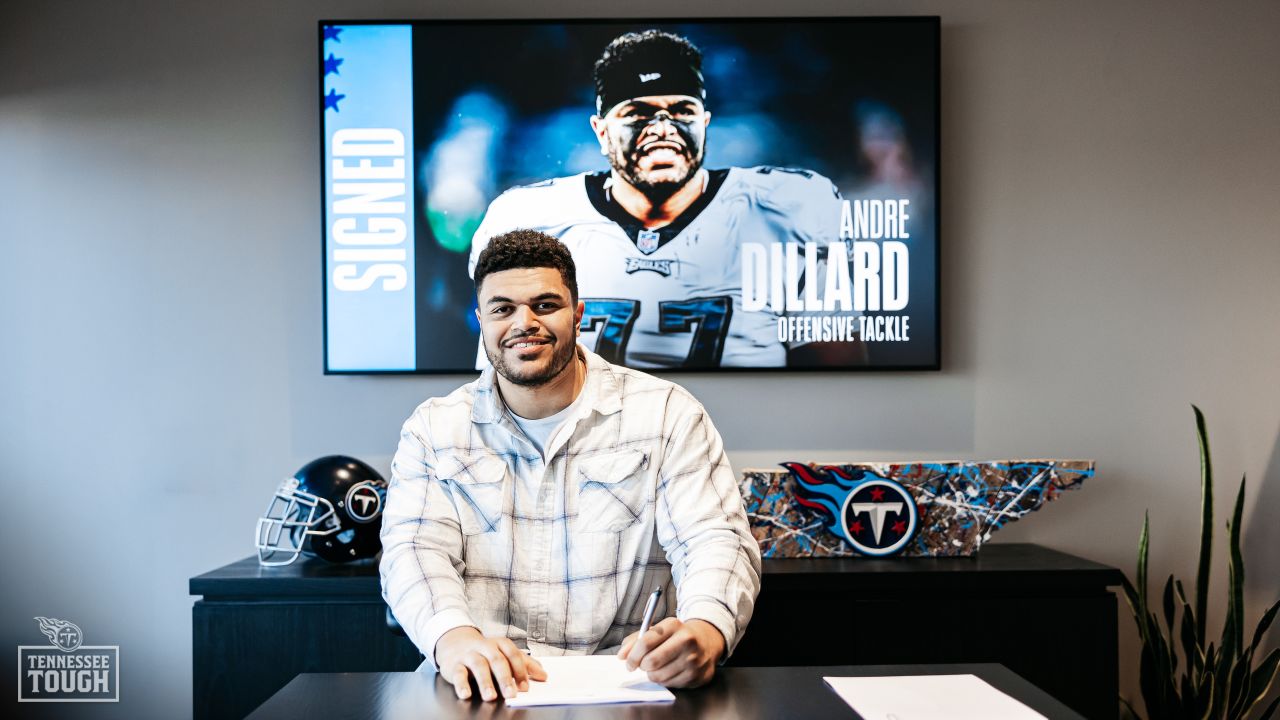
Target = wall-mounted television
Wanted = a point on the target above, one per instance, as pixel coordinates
(752, 194)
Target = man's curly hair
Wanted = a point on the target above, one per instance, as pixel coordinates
(520, 249)
(648, 44)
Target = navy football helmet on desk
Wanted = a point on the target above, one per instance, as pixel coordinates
(331, 508)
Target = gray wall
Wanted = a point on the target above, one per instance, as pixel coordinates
(1110, 215)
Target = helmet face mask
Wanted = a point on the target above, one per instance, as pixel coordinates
(331, 508)
(291, 516)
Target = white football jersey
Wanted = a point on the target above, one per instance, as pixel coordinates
(672, 297)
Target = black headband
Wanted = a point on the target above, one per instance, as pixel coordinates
(643, 76)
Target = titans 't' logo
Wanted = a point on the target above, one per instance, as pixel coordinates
(879, 517)
(874, 514)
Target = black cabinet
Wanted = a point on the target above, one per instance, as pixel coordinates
(257, 628)
(1046, 615)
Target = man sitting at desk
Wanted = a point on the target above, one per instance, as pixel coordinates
(536, 507)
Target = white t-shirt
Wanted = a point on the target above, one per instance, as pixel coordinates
(541, 432)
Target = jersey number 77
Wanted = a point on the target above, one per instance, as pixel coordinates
(706, 318)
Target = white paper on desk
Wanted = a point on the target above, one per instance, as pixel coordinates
(590, 680)
(928, 697)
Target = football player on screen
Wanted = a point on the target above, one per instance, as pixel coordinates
(659, 237)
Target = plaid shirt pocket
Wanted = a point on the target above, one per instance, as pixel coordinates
(612, 491)
(477, 484)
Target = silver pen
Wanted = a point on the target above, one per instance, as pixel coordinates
(648, 611)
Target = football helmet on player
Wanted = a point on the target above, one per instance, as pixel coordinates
(331, 508)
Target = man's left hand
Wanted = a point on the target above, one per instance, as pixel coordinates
(675, 654)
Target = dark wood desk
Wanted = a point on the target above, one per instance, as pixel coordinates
(1048, 616)
(736, 693)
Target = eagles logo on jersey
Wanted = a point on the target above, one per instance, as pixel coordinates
(671, 297)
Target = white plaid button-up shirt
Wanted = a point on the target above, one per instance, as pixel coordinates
(561, 556)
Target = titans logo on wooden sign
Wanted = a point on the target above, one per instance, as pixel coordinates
(912, 509)
(879, 517)
(876, 515)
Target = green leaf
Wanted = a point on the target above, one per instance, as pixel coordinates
(1235, 565)
(1169, 605)
(1218, 681)
(1229, 625)
(1163, 657)
(1127, 712)
(1226, 657)
(1231, 673)
(1191, 649)
(1182, 600)
(1206, 526)
(1135, 606)
(1162, 654)
(1130, 593)
(1144, 541)
(1168, 632)
(1210, 661)
(1263, 624)
(1238, 690)
(1188, 696)
(1149, 681)
(1224, 674)
(1203, 706)
(1270, 711)
(1263, 676)
(1182, 593)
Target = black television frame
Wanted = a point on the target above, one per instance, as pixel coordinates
(932, 21)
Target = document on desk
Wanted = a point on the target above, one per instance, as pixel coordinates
(928, 697)
(590, 680)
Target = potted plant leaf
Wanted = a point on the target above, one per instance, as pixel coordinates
(1184, 674)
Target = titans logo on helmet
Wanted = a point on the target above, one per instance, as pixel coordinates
(363, 502)
(879, 517)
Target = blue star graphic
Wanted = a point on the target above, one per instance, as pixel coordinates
(331, 100)
(331, 33)
(331, 64)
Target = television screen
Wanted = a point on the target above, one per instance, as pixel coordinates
(736, 194)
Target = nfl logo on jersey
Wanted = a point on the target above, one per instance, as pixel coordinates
(647, 241)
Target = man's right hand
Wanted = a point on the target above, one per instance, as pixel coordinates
(495, 663)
